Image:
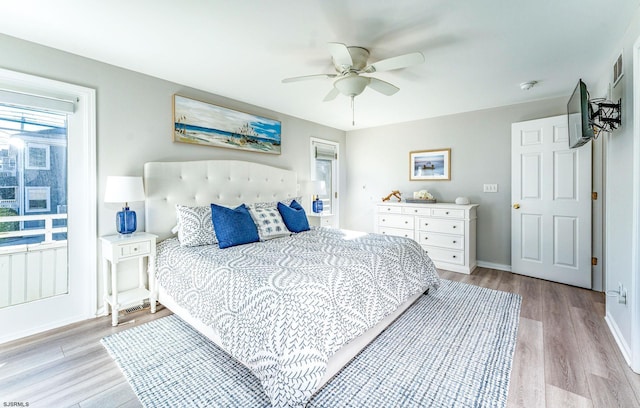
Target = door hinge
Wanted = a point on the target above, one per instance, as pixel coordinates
(594, 261)
(594, 195)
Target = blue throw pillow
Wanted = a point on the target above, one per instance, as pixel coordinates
(294, 217)
(233, 226)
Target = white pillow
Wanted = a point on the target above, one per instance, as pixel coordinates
(269, 222)
(195, 226)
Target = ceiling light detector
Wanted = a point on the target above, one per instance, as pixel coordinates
(525, 86)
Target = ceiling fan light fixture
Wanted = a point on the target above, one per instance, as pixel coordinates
(352, 85)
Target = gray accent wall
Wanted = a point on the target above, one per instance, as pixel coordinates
(480, 143)
(134, 123)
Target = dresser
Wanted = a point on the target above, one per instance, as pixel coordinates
(447, 232)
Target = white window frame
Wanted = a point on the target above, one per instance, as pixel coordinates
(47, 149)
(28, 191)
(335, 175)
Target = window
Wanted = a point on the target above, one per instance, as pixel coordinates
(324, 166)
(38, 199)
(8, 194)
(38, 157)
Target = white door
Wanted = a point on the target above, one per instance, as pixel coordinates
(551, 203)
(48, 254)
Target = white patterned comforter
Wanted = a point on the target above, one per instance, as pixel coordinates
(284, 306)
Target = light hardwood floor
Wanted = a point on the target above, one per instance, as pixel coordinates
(565, 355)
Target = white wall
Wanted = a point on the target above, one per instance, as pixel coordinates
(480, 142)
(619, 192)
(134, 115)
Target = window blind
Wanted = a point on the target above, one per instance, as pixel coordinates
(325, 151)
(25, 100)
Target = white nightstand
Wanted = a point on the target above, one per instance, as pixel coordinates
(116, 248)
(322, 219)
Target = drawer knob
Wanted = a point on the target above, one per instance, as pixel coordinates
(406, 236)
(415, 210)
(426, 223)
(454, 242)
(426, 238)
(384, 220)
(447, 213)
(135, 248)
(406, 222)
(454, 226)
(383, 232)
(454, 256)
(388, 209)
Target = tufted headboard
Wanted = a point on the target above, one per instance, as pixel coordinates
(200, 183)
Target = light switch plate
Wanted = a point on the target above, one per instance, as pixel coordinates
(490, 188)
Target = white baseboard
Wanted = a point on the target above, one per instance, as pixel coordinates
(491, 265)
(617, 335)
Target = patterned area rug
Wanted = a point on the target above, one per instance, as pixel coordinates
(452, 348)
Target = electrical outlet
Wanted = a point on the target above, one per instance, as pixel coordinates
(490, 188)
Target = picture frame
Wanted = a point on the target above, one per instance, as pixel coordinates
(432, 165)
(203, 123)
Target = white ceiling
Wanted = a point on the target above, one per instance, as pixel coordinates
(477, 52)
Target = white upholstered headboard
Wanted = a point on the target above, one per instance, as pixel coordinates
(200, 183)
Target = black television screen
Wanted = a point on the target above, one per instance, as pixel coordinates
(579, 116)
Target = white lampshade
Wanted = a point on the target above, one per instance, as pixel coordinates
(123, 189)
(319, 187)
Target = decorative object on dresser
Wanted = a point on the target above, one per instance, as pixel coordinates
(430, 165)
(394, 193)
(206, 124)
(446, 231)
(422, 196)
(462, 200)
(117, 248)
(319, 188)
(123, 189)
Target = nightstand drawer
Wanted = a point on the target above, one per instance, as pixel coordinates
(135, 249)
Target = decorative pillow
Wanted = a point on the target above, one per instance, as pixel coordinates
(269, 223)
(294, 217)
(273, 204)
(195, 227)
(233, 226)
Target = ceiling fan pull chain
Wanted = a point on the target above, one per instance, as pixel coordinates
(353, 111)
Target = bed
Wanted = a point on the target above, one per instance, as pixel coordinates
(294, 309)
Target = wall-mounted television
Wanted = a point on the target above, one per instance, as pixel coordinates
(579, 114)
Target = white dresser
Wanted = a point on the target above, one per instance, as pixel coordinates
(446, 231)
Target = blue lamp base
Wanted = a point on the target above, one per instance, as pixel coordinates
(126, 221)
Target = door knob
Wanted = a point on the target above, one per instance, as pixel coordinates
(516, 206)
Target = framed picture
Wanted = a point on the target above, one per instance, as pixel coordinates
(430, 165)
(205, 124)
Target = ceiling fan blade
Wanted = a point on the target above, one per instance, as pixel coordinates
(340, 54)
(382, 86)
(331, 95)
(401, 61)
(305, 77)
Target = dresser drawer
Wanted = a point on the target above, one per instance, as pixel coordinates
(447, 213)
(134, 249)
(396, 232)
(416, 210)
(389, 209)
(441, 225)
(445, 255)
(396, 221)
(441, 240)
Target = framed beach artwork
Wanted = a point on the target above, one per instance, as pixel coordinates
(430, 165)
(205, 124)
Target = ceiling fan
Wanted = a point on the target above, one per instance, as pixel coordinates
(350, 62)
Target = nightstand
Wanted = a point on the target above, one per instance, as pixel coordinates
(322, 219)
(117, 248)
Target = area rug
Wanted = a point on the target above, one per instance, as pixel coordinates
(452, 348)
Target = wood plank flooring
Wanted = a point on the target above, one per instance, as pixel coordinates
(565, 355)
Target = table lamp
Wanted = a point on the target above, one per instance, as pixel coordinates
(124, 189)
